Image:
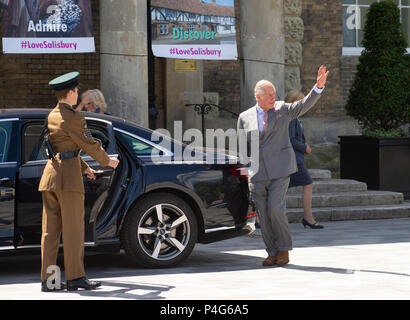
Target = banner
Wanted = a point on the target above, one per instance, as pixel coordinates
(47, 26)
(194, 29)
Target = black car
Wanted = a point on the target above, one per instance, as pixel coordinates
(156, 212)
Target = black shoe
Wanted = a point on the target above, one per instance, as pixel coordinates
(82, 283)
(312, 226)
(45, 288)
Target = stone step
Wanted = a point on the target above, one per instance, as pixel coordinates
(344, 199)
(332, 185)
(320, 174)
(353, 213)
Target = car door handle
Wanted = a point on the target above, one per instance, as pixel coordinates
(99, 173)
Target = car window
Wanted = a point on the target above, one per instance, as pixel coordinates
(31, 139)
(8, 142)
(137, 147)
(5, 139)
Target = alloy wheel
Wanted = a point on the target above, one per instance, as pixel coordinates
(163, 231)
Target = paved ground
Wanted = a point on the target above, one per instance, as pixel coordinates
(346, 260)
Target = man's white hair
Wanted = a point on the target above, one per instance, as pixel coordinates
(261, 85)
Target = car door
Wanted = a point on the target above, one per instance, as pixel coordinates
(8, 171)
(34, 159)
(100, 198)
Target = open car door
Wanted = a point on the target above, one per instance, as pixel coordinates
(101, 194)
(97, 192)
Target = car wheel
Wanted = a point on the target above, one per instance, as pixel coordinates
(161, 231)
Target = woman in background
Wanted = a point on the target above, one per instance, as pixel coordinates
(93, 101)
(302, 177)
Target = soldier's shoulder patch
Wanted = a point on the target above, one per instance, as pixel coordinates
(88, 134)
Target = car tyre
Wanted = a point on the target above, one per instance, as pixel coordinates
(160, 231)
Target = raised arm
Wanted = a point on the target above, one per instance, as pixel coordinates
(300, 107)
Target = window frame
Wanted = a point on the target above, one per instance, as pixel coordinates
(13, 162)
(192, 27)
(357, 51)
(84, 156)
(23, 140)
(7, 136)
(166, 152)
(163, 29)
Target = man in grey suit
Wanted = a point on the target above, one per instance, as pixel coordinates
(275, 161)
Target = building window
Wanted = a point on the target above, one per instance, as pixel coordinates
(163, 29)
(354, 20)
(192, 27)
(171, 15)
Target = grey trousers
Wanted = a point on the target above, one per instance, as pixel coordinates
(270, 201)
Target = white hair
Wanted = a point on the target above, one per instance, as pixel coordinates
(97, 97)
(261, 85)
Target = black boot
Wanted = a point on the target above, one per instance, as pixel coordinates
(82, 283)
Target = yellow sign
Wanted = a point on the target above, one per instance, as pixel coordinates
(184, 65)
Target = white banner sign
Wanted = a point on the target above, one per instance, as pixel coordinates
(54, 26)
(194, 29)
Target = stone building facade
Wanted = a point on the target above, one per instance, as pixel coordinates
(294, 32)
(312, 37)
(285, 41)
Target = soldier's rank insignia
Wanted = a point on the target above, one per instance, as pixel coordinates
(88, 134)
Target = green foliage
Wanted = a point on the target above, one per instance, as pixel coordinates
(380, 94)
(381, 133)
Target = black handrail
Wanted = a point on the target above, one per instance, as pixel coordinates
(203, 109)
(206, 107)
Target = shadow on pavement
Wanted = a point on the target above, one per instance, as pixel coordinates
(125, 290)
(230, 255)
(340, 270)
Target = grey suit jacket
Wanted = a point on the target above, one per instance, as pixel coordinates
(276, 157)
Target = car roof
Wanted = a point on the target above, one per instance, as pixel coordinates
(23, 113)
(29, 113)
(40, 113)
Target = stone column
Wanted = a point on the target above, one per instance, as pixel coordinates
(183, 88)
(262, 47)
(124, 58)
(294, 30)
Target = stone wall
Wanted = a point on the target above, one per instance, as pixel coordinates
(124, 58)
(322, 44)
(313, 36)
(223, 77)
(24, 78)
(348, 69)
(294, 31)
(159, 83)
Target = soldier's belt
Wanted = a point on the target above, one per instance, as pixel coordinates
(67, 155)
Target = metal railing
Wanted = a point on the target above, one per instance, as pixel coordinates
(203, 109)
